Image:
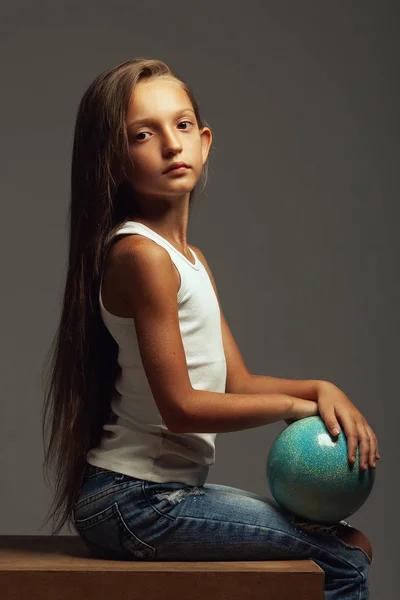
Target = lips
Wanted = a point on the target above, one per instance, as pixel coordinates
(176, 165)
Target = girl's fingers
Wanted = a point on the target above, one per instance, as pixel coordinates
(364, 445)
(330, 419)
(350, 430)
(358, 433)
(374, 454)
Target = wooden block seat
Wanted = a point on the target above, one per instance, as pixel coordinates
(61, 568)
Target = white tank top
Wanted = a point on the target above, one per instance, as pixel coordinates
(136, 441)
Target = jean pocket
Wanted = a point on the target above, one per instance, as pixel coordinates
(107, 536)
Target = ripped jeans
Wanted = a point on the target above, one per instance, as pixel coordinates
(123, 518)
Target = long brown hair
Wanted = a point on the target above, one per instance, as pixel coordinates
(81, 364)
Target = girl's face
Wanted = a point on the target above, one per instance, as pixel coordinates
(168, 132)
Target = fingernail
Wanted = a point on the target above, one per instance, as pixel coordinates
(335, 431)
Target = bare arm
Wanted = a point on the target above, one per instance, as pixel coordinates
(149, 284)
(212, 412)
(308, 389)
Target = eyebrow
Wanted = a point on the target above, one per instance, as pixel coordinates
(153, 120)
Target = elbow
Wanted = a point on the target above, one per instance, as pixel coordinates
(178, 420)
(178, 425)
(184, 421)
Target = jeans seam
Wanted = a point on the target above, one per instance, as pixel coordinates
(131, 532)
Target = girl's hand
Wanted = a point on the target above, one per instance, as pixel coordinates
(335, 406)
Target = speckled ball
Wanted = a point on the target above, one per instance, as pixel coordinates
(309, 474)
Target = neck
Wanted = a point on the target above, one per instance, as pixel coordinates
(169, 221)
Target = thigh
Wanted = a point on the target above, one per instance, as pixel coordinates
(217, 522)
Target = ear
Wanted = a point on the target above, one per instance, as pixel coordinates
(206, 141)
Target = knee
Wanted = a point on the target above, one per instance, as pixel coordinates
(355, 537)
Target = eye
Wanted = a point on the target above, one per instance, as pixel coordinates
(141, 133)
(135, 138)
(185, 122)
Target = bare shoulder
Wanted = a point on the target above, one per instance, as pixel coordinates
(132, 245)
(133, 258)
(139, 256)
(136, 248)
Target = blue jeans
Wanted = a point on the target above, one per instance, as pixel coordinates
(123, 518)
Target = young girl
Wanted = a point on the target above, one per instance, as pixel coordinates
(145, 370)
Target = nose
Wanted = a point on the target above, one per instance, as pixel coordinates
(172, 141)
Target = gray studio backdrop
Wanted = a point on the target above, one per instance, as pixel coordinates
(299, 221)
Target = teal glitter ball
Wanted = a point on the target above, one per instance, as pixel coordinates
(309, 474)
